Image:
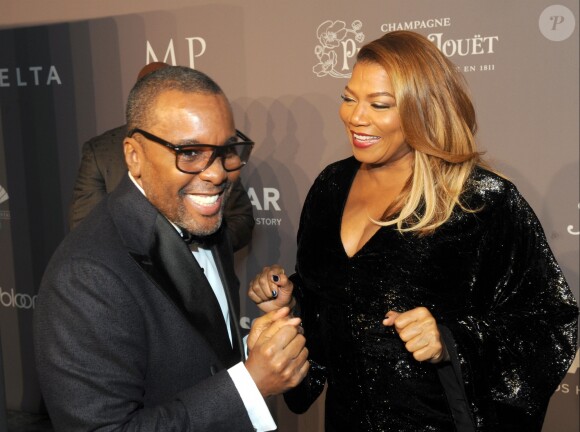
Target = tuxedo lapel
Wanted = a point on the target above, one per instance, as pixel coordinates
(178, 275)
(224, 260)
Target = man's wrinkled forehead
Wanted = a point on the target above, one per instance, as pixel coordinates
(192, 118)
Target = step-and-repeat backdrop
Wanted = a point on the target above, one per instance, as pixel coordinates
(283, 65)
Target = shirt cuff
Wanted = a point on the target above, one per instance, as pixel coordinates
(252, 398)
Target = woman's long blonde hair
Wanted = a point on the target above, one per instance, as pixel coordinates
(439, 124)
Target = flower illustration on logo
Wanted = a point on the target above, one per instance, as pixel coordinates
(327, 63)
(333, 35)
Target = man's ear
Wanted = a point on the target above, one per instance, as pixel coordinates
(133, 156)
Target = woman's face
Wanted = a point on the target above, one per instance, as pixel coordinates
(370, 115)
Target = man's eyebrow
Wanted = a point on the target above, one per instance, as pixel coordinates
(189, 141)
(193, 141)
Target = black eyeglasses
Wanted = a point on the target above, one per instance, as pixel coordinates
(196, 158)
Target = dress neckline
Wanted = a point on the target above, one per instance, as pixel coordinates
(356, 166)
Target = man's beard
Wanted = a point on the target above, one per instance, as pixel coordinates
(192, 224)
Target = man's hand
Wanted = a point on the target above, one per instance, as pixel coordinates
(418, 329)
(271, 289)
(278, 359)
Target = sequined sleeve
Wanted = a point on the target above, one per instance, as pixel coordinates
(516, 343)
(300, 398)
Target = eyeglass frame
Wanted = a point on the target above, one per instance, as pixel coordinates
(179, 149)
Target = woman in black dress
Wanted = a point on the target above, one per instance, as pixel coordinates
(429, 296)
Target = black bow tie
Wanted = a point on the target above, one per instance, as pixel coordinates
(202, 241)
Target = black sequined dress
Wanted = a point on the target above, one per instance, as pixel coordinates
(489, 278)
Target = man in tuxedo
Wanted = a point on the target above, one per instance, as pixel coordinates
(137, 329)
(103, 166)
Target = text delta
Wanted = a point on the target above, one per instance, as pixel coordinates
(31, 76)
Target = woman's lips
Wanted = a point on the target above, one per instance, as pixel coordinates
(361, 140)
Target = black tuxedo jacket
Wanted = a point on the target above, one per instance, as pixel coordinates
(128, 332)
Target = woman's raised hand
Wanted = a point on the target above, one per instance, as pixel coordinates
(271, 289)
